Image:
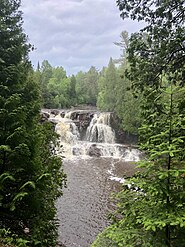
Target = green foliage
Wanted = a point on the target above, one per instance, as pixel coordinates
(87, 86)
(81, 88)
(31, 177)
(7, 238)
(151, 205)
(116, 93)
(60, 91)
(128, 105)
(59, 88)
(107, 95)
(73, 95)
(55, 86)
(43, 75)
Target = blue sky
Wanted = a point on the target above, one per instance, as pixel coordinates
(74, 34)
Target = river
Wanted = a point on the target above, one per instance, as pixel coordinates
(96, 167)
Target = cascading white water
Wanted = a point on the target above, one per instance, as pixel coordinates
(68, 115)
(68, 132)
(99, 141)
(99, 129)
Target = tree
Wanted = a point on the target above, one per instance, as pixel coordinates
(151, 206)
(92, 85)
(107, 96)
(45, 76)
(59, 88)
(124, 43)
(72, 93)
(101, 89)
(55, 86)
(111, 82)
(161, 42)
(87, 86)
(127, 104)
(31, 177)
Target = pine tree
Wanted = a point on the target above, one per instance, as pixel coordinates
(127, 104)
(92, 85)
(31, 177)
(151, 206)
(46, 72)
(72, 93)
(107, 95)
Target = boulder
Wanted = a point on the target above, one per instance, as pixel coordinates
(44, 117)
(94, 151)
(55, 112)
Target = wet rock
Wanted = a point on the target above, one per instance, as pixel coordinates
(94, 151)
(76, 151)
(59, 244)
(62, 114)
(55, 112)
(44, 117)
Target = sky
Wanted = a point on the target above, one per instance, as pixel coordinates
(74, 34)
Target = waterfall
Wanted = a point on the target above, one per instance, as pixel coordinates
(68, 131)
(99, 129)
(68, 114)
(99, 138)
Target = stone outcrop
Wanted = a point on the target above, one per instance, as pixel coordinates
(82, 119)
(94, 151)
(44, 117)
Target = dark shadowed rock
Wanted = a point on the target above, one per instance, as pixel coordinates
(62, 114)
(59, 244)
(76, 151)
(55, 112)
(44, 117)
(94, 151)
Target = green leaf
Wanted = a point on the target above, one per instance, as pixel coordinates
(6, 176)
(28, 184)
(5, 148)
(17, 198)
(45, 175)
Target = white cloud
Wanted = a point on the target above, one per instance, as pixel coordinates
(74, 34)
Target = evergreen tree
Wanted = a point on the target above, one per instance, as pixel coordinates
(107, 96)
(92, 85)
(111, 83)
(123, 44)
(101, 89)
(87, 86)
(127, 103)
(72, 93)
(151, 208)
(45, 76)
(31, 177)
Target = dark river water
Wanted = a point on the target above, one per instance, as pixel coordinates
(86, 202)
